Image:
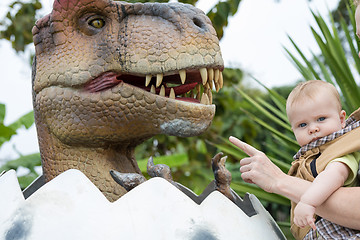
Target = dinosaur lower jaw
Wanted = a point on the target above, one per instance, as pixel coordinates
(191, 86)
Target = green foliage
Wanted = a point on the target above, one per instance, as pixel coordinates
(175, 160)
(27, 161)
(6, 132)
(16, 28)
(18, 25)
(220, 14)
(339, 61)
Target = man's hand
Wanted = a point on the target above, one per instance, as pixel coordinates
(304, 215)
(257, 168)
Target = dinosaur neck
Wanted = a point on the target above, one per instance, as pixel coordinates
(95, 163)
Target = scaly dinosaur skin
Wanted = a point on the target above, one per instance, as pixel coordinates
(93, 101)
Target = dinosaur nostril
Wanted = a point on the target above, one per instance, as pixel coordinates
(199, 23)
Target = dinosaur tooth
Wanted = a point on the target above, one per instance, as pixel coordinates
(172, 93)
(182, 74)
(159, 78)
(152, 89)
(203, 73)
(147, 80)
(216, 75)
(210, 97)
(211, 74)
(198, 88)
(207, 86)
(210, 82)
(198, 93)
(204, 99)
(217, 88)
(162, 91)
(221, 80)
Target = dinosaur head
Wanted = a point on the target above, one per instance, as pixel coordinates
(113, 72)
(108, 75)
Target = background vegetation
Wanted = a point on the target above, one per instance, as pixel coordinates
(257, 116)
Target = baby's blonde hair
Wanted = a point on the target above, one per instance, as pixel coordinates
(309, 89)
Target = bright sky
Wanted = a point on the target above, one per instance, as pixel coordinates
(253, 42)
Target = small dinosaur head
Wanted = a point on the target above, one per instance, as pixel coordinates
(113, 72)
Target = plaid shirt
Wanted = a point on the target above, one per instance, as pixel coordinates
(328, 230)
(350, 124)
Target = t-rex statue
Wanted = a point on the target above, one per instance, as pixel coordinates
(108, 75)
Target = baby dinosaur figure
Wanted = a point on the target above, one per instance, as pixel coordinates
(222, 176)
(132, 180)
(108, 75)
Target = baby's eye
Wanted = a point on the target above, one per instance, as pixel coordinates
(320, 119)
(302, 125)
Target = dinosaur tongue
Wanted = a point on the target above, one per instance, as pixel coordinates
(184, 89)
(104, 81)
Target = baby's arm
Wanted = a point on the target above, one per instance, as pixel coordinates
(321, 188)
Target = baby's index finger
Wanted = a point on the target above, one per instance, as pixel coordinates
(248, 149)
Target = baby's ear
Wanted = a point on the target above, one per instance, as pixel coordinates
(342, 118)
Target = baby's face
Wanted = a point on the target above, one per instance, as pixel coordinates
(315, 118)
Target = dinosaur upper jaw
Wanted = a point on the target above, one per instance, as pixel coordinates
(185, 85)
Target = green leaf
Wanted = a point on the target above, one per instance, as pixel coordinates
(27, 161)
(243, 188)
(26, 120)
(274, 110)
(5, 133)
(220, 13)
(285, 167)
(279, 100)
(229, 148)
(323, 68)
(272, 129)
(354, 52)
(282, 150)
(263, 110)
(305, 72)
(351, 13)
(234, 6)
(174, 160)
(18, 23)
(313, 74)
(27, 179)
(2, 113)
(201, 146)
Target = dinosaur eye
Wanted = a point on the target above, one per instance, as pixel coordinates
(97, 23)
(92, 23)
